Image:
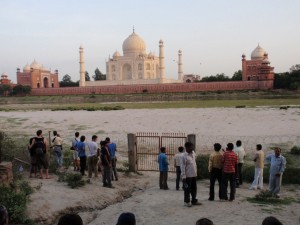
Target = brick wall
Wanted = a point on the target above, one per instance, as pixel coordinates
(157, 88)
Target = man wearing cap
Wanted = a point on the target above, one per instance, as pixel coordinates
(92, 156)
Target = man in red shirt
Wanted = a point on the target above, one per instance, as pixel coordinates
(230, 161)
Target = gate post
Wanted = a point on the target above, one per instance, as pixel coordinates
(192, 138)
(132, 152)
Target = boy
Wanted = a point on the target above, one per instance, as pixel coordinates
(177, 161)
(259, 169)
(163, 169)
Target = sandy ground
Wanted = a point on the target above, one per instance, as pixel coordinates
(98, 205)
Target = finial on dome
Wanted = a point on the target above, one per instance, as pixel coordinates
(133, 29)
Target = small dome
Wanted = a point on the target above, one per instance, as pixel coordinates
(150, 54)
(116, 55)
(134, 44)
(4, 75)
(35, 65)
(26, 68)
(258, 53)
(265, 61)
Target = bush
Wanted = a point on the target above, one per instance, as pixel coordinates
(202, 166)
(15, 199)
(295, 150)
(74, 180)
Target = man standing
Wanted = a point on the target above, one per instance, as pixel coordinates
(106, 165)
(57, 149)
(230, 160)
(177, 162)
(163, 169)
(259, 169)
(92, 156)
(189, 175)
(240, 151)
(215, 170)
(277, 166)
(112, 148)
(75, 152)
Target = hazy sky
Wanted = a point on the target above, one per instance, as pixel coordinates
(212, 34)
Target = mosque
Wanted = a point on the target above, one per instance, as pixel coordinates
(135, 66)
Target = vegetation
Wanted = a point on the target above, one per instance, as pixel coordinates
(98, 75)
(265, 197)
(237, 76)
(295, 150)
(67, 82)
(87, 76)
(288, 80)
(74, 180)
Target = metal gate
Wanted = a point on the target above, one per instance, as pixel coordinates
(148, 147)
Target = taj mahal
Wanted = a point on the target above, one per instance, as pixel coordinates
(135, 66)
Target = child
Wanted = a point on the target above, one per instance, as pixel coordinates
(177, 162)
(163, 169)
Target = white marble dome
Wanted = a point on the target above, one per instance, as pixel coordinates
(134, 44)
(116, 54)
(258, 53)
(35, 65)
(26, 68)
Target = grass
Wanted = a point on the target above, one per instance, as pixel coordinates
(267, 198)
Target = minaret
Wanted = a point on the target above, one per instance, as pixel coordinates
(180, 73)
(81, 65)
(161, 61)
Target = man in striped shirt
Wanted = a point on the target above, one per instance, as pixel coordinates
(230, 161)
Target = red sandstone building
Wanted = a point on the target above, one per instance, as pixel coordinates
(36, 76)
(258, 68)
(4, 79)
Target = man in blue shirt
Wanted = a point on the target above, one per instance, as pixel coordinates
(163, 169)
(277, 166)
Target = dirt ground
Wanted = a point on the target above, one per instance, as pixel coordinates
(140, 194)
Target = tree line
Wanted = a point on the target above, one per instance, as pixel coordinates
(67, 80)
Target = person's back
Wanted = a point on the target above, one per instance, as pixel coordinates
(127, 218)
(271, 220)
(204, 221)
(3, 216)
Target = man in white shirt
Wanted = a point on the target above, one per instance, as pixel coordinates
(239, 150)
(93, 156)
(177, 162)
(189, 175)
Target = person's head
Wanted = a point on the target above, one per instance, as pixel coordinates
(103, 143)
(126, 219)
(217, 147)
(55, 133)
(238, 143)
(271, 220)
(39, 132)
(70, 219)
(189, 147)
(258, 147)
(277, 151)
(204, 221)
(94, 138)
(229, 147)
(3, 215)
(180, 149)
(107, 139)
(163, 149)
(82, 138)
(77, 134)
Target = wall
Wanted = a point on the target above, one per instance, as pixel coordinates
(157, 88)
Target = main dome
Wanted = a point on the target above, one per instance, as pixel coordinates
(258, 53)
(134, 45)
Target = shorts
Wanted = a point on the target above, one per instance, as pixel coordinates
(75, 155)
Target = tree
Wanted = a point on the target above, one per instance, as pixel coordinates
(98, 75)
(237, 75)
(66, 78)
(295, 68)
(217, 77)
(5, 89)
(87, 76)
(21, 90)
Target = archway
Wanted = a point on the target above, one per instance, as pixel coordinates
(46, 82)
(126, 72)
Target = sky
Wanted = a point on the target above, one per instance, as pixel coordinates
(212, 34)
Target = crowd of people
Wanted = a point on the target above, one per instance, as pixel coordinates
(225, 167)
(87, 155)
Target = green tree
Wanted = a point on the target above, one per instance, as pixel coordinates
(5, 89)
(237, 75)
(66, 78)
(98, 75)
(295, 68)
(21, 90)
(87, 76)
(217, 77)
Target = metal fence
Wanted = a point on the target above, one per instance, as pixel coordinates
(148, 147)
